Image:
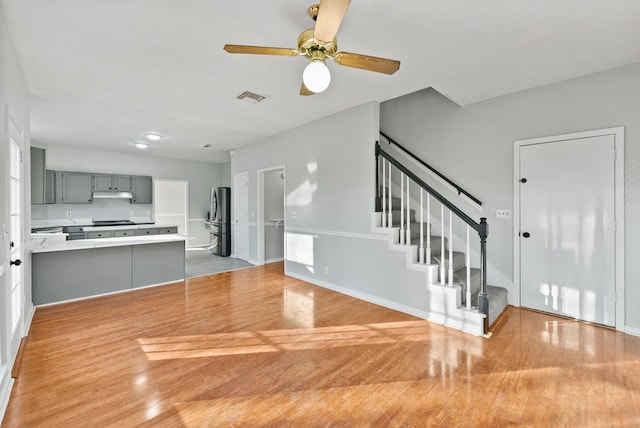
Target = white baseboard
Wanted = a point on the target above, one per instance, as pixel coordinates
(634, 331)
(29, 318)
(471, 328)
(277, 259)
(5, 394)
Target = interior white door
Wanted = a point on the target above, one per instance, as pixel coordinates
(12, 297)
(567, 228)
(241, 215)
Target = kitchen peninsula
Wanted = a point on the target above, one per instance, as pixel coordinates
(68, 270)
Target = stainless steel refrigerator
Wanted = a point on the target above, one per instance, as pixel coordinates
(219, 221)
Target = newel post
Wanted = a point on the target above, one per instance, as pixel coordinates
(483, 298)
(378, 201)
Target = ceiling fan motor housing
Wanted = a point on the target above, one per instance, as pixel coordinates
(310, 47)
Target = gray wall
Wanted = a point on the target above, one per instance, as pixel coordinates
(329, 170)
(473, 145)
(329, 190)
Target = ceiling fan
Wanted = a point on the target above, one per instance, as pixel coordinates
(320, 43)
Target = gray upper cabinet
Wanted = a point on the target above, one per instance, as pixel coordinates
(38, 183)
(43, 182)
(122, 183)
(49, 187)
(76, 188)
(111, 183)
(142, 191)
(102, 182)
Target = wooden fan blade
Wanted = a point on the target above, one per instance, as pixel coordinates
(365, 62)
(305, 91)
(260, 50)
(330, 15)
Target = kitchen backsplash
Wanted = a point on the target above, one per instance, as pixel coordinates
(100, 209)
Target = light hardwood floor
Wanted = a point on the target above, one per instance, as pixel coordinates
(254, 348)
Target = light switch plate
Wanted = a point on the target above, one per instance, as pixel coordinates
(503, 213)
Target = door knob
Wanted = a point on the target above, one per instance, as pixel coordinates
(526, 234)
(16, 262)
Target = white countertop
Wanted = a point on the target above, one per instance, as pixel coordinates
(83, 244)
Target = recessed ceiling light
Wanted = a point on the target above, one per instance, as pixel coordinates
(142, 145)
(152, 136)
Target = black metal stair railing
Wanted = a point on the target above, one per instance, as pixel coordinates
(481, 227)
(459, 189)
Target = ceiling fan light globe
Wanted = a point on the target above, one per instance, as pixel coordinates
(316, 76)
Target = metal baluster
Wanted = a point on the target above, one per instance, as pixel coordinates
(483, 297)
(390, 221)
(468, 295)
(427, 258)
(450, 247)
(384, 201)
(442, 253)
(421, 251)
(401, 207)
(408, 238)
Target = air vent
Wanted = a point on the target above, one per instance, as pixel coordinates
(251, 96)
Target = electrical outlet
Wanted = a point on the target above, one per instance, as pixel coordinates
(132, 212)
(503, 213)
(294, 215)
(68, 213)
(325, 270)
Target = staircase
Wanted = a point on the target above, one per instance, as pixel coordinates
(454, 287)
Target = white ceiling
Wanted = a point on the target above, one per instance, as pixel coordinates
(102, 73)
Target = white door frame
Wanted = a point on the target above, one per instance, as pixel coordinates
(234, 216)
(618, 134)
(261, 199)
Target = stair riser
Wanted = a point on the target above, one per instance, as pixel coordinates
(396, 217)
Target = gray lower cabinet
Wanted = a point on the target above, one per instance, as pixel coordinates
(131, 232)
(155, 264)
(128, 232)
(65, 275)
(95, 235)
(167, 230)
(157, 231)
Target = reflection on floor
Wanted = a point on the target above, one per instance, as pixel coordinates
(199, 261)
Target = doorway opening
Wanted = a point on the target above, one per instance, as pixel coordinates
(271, 214)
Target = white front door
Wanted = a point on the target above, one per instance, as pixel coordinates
(567, 228)
(241, 215)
